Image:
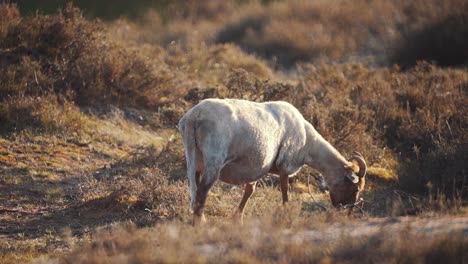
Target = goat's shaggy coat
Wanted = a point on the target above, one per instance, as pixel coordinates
(239, 142)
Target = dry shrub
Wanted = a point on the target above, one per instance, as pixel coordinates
(242, 84)
(409, 124)
(80, 61)
(45, 114)
(185, 30)
(9, 15)
(210, 66)
(164, 200)
(204, 64)
(232, 57)
(194, 10)
(309, 31)
(182, 23)
(296, 31)
(66, 54)
(138, 185)
(303, 31)
(419, 114)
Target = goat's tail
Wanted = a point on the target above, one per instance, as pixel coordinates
(187, 130)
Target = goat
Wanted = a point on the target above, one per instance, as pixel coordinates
(239, 142)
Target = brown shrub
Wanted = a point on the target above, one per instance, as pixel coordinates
(138, 184)
(88, 63)
(415, 118)
(9, 15)
(302, 31)
(194, 10)
(242, 84)
(68, 55)
(45, 114)
(419, 114)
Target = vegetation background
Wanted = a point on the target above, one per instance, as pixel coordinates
(92, 168)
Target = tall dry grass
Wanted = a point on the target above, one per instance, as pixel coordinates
(271, 241)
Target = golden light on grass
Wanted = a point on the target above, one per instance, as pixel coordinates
(383, 173)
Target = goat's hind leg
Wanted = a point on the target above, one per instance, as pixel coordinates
(249, 190)
(204, 183)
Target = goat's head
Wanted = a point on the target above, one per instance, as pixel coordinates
(345, 190)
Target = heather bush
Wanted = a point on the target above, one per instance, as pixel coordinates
(418, 114)
(66, 54)
(382, 32)
(137, 184)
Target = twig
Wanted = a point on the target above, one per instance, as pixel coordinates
(354, 205)
(401, 193)
(16, 210)
(8, 210)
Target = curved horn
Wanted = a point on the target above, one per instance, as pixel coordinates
(361, 162)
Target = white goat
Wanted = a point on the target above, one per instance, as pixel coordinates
(239, 142)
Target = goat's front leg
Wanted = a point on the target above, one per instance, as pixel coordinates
(284, 183)
(249, 190)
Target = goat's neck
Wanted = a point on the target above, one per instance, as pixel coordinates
(321, 155)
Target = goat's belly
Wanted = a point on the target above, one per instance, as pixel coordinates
(234, 174)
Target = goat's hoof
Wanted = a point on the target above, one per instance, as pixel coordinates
(237, 219)
(198, 220)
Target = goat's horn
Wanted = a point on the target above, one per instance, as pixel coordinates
(361, 162)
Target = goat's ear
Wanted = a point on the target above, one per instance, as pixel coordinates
(352, 167)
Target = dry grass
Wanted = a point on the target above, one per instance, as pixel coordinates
(87, 130)
(274, 240)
